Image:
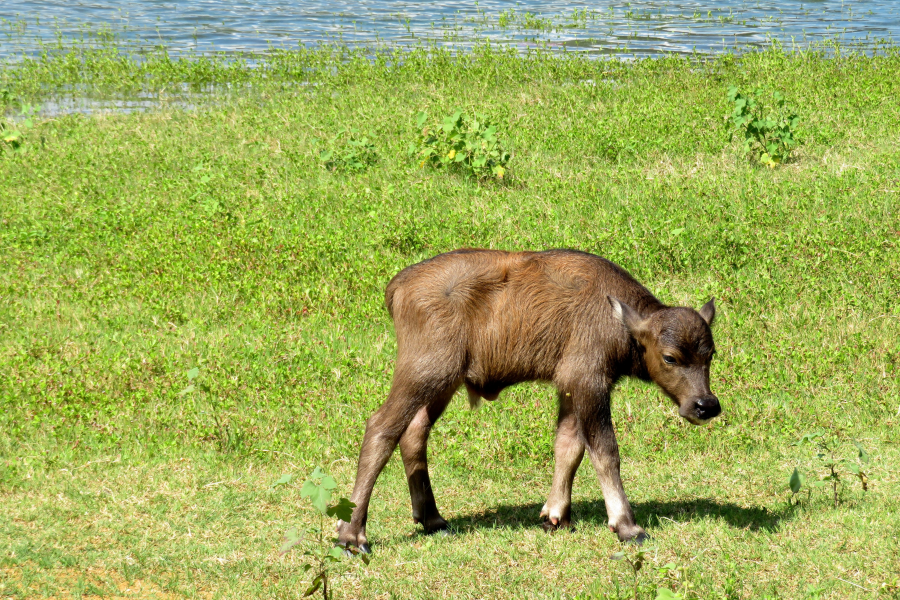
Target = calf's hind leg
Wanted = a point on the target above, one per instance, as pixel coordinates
(384, 429)
(413, 449)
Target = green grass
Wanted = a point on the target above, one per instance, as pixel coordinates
(134, 247)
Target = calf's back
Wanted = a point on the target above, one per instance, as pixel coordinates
(504, 317)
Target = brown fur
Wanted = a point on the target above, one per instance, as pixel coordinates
(488, 319)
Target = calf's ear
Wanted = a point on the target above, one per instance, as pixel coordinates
(629, 317)
(708, 312)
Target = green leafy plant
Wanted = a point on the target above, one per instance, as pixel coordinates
(349, 151)
(227, 437)
(836, 468)
(769, 132)
(12, 134)
(322, 550)
(664, 593)
(467, 141)
(675, 574)
(634, 557)
(673, 583)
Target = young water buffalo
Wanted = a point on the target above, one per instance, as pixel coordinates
(488, 319)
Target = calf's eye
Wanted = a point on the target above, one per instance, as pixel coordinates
(669, 360)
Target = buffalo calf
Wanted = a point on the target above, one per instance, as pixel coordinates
(487, 319)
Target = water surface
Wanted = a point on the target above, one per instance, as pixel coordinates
(636, 28)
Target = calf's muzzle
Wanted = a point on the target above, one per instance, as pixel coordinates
(704, 409)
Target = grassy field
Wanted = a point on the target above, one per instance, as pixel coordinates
(136, 247)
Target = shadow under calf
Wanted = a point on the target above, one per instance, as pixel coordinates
(648, 514)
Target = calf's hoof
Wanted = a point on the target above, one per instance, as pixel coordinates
(631, 534)
(555, 519)
(552, 525)
(364, 549)
(348, 538)
(353, 549)
(436, 525)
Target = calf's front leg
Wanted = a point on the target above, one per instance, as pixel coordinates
(593, 410)
(568, 453)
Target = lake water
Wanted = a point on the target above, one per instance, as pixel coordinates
(635, 28)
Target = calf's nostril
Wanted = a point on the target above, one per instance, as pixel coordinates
(707, 408)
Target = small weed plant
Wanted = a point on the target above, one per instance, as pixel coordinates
(226, 435)
(322, 550)
(835, 469)
(12, 135)
(769, 132)
(671, 585)
(634, 558)
(674, 575)
(349, 151)
(469, 142)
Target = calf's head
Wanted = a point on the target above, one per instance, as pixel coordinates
(677, 347)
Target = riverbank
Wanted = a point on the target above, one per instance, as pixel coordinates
(137, 247)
